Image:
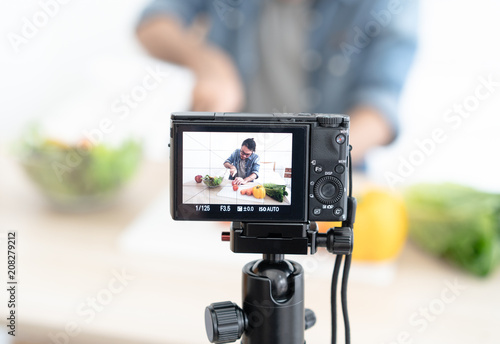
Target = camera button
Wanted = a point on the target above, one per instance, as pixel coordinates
(338, 211)
(340, 139)
(317, 211)
(318, 169)
(339, 168)
(328, 190)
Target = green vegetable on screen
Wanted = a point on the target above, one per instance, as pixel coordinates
(276, 191)
(458, 223)
(212, 181)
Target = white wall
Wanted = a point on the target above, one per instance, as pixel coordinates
(459, 47)
(76, 70)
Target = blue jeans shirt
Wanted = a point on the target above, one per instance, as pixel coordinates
(251, 164)
(364, 47)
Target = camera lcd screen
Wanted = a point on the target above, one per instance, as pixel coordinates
(240, 172)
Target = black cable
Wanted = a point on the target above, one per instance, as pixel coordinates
(335, 278)
(345, 277)
(350, 172)
(343, 292)
(345, 273)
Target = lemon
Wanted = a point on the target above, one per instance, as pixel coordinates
(380, 228)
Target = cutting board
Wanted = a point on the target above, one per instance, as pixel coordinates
(235, 197)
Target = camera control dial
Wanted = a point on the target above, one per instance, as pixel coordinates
(328, 190)
(329, 121)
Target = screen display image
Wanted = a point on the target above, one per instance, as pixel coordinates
(258, 167)
(237, 169)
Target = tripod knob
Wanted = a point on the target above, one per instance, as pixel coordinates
(310, 318)
(336, 240)
(224, 322)
(339, 240)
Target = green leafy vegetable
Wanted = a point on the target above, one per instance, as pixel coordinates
(456, 222)
(74, 175)
(276, 191)
(212, 181)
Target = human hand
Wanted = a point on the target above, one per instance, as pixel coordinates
(218, 86)
(233, 171)
(239, 181)
(216, 95)
(369, 129)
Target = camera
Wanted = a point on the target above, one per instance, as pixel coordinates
(271, 167)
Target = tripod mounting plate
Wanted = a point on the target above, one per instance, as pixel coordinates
(273, 238)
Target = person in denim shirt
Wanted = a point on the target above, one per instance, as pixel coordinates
(329, 56)
(243, 164)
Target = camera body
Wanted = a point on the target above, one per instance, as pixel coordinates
(299, 162)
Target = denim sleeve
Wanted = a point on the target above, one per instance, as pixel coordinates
(185, 10)
(386, 63)
(232, 158)
(255, 166)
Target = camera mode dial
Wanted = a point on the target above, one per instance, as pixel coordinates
(329, 121)
(328, 190)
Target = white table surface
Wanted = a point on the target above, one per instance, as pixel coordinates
(174, 269)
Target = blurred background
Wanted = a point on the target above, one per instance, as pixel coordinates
(78, 66)
(113, 268)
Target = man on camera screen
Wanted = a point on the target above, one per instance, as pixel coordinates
(243, 164)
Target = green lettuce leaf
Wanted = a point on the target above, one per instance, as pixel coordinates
(458, 223)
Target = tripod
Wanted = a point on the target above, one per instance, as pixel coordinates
(273, 306)
(273, 288)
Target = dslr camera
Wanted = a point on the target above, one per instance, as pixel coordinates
(270, 167)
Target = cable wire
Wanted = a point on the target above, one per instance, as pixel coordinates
(350, 172)
(335, 278)
(345, 277)
(345, 273)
